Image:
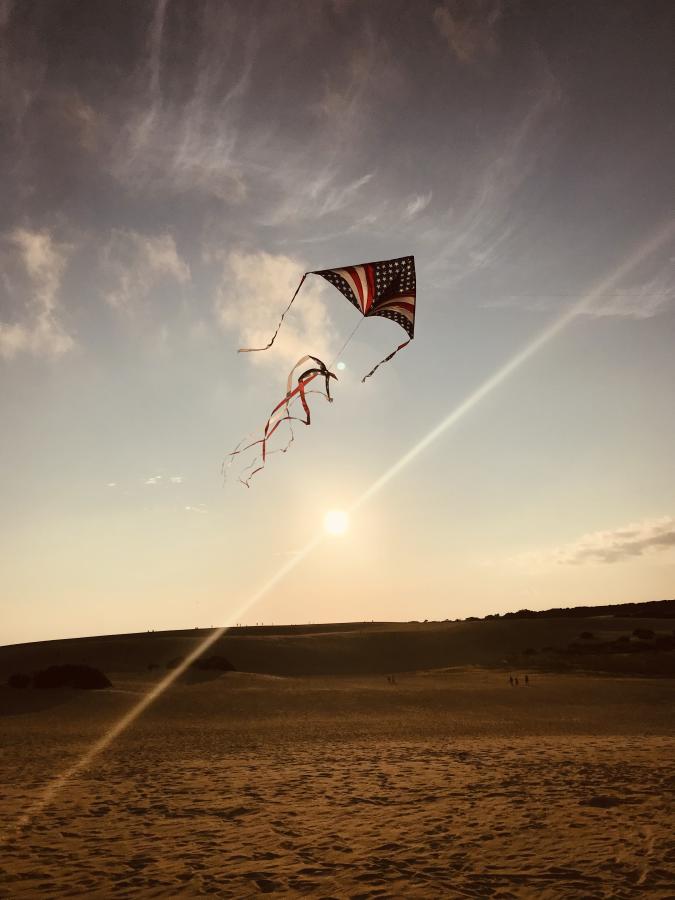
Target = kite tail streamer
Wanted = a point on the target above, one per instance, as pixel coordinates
(386, 359)
(282, 413)
(274, 336)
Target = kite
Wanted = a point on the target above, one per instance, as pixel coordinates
(386, 288)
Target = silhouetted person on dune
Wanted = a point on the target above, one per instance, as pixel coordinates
(527, 681)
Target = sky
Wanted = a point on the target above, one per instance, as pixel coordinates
(170, 168)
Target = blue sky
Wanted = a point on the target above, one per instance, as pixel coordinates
(169, 171)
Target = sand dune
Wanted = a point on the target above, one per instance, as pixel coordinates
(366, 648)
(447, 784)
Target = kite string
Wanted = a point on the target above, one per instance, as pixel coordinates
(347, 342)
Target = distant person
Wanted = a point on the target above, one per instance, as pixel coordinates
(527, 681)
(516, 680)
(511, 680)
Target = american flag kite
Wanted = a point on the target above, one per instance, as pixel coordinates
(386, 288)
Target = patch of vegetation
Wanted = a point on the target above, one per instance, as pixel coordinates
(650, 609)
(71, 676)
(644, 634)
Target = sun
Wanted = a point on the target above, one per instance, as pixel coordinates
(336, 521)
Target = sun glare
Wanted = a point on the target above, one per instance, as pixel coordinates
(336, 521)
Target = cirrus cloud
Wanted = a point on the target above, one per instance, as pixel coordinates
(135, 263)
(470, 28)
(254, 289)
(33, 268)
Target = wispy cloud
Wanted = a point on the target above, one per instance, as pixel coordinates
(417, 204)
(21, 75)
(135, 263)
(34, 264)
(6, 7)
(203, 122)
(307, 196)
(470, 28)
(617, 545)
(637, 302)
(154, 479)
(176, 479)
(487, 217)
(325, 174)
(255, 288)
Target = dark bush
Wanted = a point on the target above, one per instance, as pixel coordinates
(18, 680)
(644, 634)
(213, 663)
(83, 677)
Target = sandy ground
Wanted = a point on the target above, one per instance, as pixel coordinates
(448, 784)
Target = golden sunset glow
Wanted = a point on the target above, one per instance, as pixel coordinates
(336, 522)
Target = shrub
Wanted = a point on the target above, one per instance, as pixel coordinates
(18, 680)
(644, 634)
(83, 677)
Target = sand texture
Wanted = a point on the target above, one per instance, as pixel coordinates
(447, 784)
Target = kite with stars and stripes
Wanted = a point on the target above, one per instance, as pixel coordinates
(386, 288)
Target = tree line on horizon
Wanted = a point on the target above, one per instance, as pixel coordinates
(651, 609)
